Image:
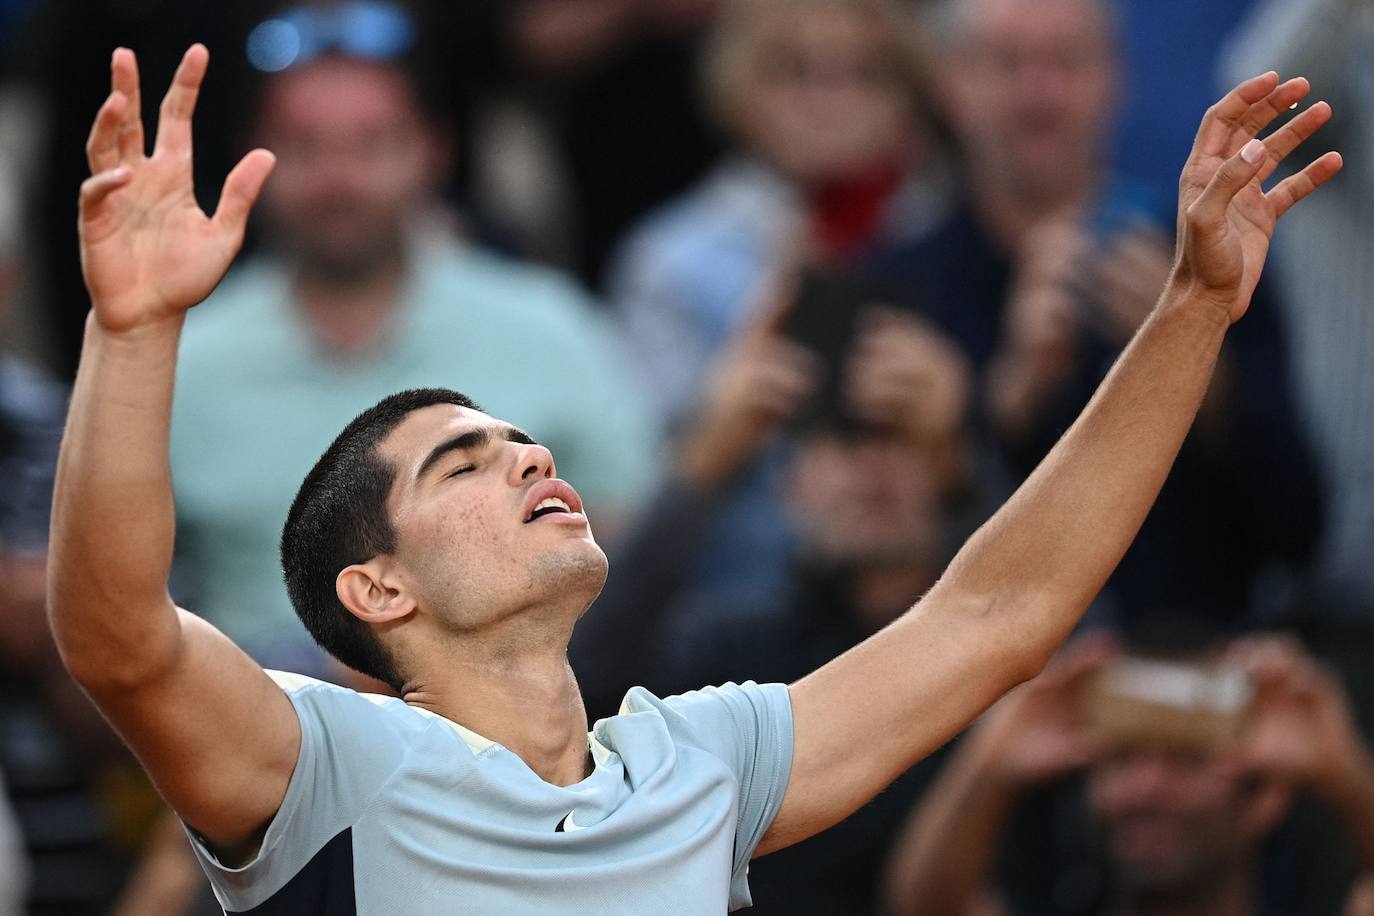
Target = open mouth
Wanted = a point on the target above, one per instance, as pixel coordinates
(553, 498)
(550, 506)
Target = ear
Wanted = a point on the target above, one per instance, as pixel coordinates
(373, 593)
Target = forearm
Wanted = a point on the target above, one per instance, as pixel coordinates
(1037, 563)
(113, 522)
(940, 863)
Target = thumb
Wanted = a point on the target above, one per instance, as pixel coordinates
(1234, 174)
(241, 189)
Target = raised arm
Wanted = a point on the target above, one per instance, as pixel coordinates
(1021, 583)
(215, 734)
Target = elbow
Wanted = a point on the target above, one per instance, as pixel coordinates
(1023, 632)
(1034, 655)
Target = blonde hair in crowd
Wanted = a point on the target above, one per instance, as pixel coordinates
(731, 64)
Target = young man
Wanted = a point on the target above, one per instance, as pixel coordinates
(414, 550)
(358, 292)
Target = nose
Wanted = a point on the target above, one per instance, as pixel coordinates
(1145, 780)
(532, 461)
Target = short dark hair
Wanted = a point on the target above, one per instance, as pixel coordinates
(339, 517)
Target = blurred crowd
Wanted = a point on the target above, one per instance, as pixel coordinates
(796, 291)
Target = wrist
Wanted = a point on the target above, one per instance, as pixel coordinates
(153, 329)
(140, 341)
(1185, 295)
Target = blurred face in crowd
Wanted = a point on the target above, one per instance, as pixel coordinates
(863, 501)
(1175, 821)
(354, 158)
(1031, 87)
(825, 97)
(467, 550)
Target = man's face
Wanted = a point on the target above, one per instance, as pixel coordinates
(863, 501)
(1172, 820)
(1033, 88)
(824, 102)
(465, 489)
(354, 158)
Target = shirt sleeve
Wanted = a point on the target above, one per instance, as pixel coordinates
(749, 727)
(347, 754)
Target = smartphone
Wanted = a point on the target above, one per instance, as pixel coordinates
(1147, 701)
(825, 319)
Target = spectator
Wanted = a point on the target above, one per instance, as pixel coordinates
(1330, 41)
(876, 505)
(1044, 270)
(363, 292)
(820, 99)
(1181, 806)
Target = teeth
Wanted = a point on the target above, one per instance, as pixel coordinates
(553, 502)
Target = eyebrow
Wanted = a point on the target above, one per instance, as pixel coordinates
(470, 440)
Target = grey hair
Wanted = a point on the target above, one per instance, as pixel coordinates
(948, 20)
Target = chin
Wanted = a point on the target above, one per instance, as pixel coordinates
(577, 567)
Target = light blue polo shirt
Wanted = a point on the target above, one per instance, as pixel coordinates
(395, 810)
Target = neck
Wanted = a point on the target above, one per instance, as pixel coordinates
(525, 700)
(1008, 210)
(349, 314)
(1229, 897)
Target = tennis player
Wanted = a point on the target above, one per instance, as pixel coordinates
(434, 547)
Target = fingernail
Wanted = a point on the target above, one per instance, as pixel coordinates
(1253, 151)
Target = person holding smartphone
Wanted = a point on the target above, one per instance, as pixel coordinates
(1181, 787)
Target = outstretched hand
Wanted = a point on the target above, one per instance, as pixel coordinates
(1225, 217)
(148, 252)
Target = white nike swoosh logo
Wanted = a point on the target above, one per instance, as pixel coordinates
(567, 825)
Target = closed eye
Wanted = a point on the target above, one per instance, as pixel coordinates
(461, 470)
